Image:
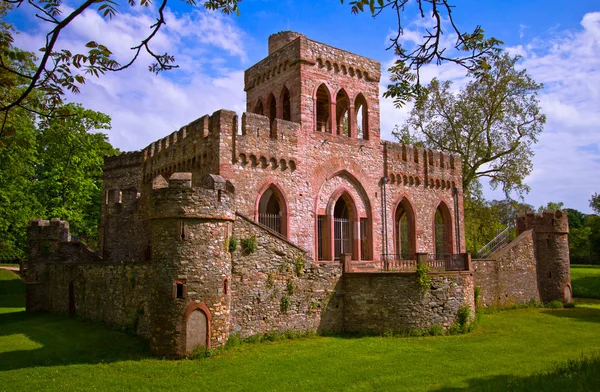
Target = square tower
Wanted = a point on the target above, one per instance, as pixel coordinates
(323, 88)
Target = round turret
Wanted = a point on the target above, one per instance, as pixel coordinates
(189, 227)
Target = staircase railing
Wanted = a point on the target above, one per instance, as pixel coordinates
(498, 242)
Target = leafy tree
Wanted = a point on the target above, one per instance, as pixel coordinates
(551, 206)
(60, 69)
(595, 202)
(69, 173)
(492, 123)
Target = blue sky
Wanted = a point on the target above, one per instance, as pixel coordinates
(559, 42)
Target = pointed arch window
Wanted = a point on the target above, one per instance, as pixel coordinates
(272, 106)
(258, 109)
(272, 210)
(361, 113)
(342, 104)
(405, 241)
(442, 231)
(322, 109)
(286, 105)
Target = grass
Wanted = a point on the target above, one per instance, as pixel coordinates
(524, 349)
(585, 280)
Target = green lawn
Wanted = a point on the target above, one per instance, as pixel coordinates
(507, 351)
(585, 280)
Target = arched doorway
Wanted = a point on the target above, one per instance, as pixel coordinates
(196, 330)
(442, 231)
(322, 109)
(272, 210)
(342, 229)
(405, 241)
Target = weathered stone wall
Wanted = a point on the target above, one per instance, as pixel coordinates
(189, 226)
(510, 275)
(279, 288)
(116, 294)
(551, 232)
(384, 302)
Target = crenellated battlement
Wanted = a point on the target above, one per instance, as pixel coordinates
(49, 230)
(545, 222)
(410, 165)
(123, 160)
(181, 200)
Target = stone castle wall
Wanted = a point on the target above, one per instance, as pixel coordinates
(510, 275)
(394, 302)
(115, 294)
(279, 288)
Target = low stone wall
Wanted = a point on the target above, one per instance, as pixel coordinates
(116, 294)
(279, 288)
(383, 302)
(509, 276)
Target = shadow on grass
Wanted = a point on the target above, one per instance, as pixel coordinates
(586, 286)
(580, 313)
(574, 375)
(63, 340)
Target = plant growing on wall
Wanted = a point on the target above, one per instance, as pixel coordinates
(285, 304)
(249, 244)
(423, 277)
(271, 279)
(291, 287)
(233, 244)
(299, 265)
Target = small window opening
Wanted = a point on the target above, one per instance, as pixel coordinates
(183, 232)
(179, 290)
(225, 286)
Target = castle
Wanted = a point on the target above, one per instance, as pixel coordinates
(299, 219)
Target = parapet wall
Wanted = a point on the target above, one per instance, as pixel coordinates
(279, 288)
(411, 165)
(263, 145)
(394, 302)
(509, 276)
(116, 294)
(545, 222)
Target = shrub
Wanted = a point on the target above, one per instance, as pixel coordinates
(463, 316)
(477, 296)
(435, 330)
(233, 244)
(249, 244)
(422, 277)
(556, 304)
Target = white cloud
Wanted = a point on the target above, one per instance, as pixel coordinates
(567, 156)
(145, 107)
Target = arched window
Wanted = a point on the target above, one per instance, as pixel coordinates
(272, 210)
(258, 109)
(405, 231)
(272, 105)
(342, 104)
(362, 117)
(322, 109)
(285, 100)
(442, 231)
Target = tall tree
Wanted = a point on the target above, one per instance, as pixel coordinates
(492, 123)
(69, 173)
(595, 203)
